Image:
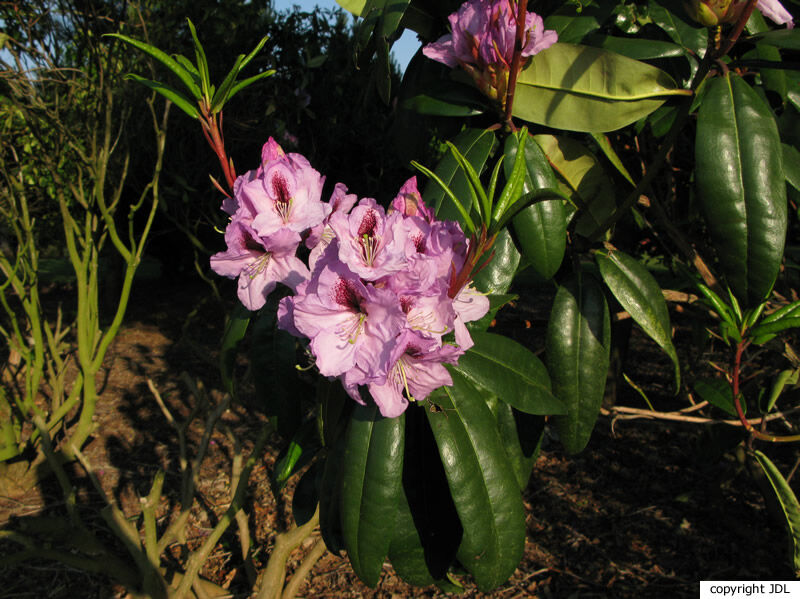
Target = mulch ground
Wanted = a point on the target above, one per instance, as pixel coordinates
(647, 510)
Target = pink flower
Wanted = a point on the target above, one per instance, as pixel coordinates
(260, 264)
(416, 370)
(774, 11)
(483, 33)
(370, 242)
(349, 323)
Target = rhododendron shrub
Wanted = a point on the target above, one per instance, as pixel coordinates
(376, 301)
(420, 422)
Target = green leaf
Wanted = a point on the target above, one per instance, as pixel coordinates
(306, 494)
(605, 145)
(356, 7)
(170, 94)
(640, 295)
(371, 476)
(741, 185)
(202, 62)
(540, 229)
(427, 530)
(482, 483)
(578, 348)
(515, 180)
(278, 387)
(791, 165)
(636, 48)
(300, 451)
(780, 38)
(235, 330)
(475, 145)
(511, 372)
(586, 183)
(573, 24)
(165, 59)
(785, 377)
(496, 277)
(249, 81)
(580, 88)
(330, 497)
(442, 106)
(787, 502)
(667, 15)
(522, 436)
(777, 326)
(717, 392)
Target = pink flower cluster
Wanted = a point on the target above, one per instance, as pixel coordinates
(375, 299)
(481, 42)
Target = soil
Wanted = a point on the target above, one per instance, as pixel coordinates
(647, 510)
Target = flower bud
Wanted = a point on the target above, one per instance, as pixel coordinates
(714, 12)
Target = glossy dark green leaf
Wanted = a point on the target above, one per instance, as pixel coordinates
(522, 436)
(787, 502)
(427, 531)
(717, 392)
(170, 94)
(572, 23)
(371, 483)
(330, 497)
(278, 387)
(772, 328)
(641, 297)
(741, 185)
(482, 483)
(496, 301)
(510, 371)
(443, 106)
(299, 453)
(235, 330)
(780, 38)
(475, 145)
(672, 18)
(605, 145)
(578, 350)
(497, 276)
(791, 165)
(306, 495)
(540, 229)
(580, 88)
(584, 180)
(636, 48)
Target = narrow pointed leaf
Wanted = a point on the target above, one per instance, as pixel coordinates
(580, 88)
(220, 97)
(164, 59)
(475, 145)
(202, 62)
(497, 276)
(639, 293)
(371, 481)
(515, 181)
(249, 81)
(540, 229)
(510, 371)
(578, 350)
(170, 94)
(788, 503)
(482, 483)
(605, 145)
(741, 186)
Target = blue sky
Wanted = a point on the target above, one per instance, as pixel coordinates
(403, 49)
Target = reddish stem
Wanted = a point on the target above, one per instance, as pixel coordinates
(516, 62)
(212, 131)
(735, 376)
